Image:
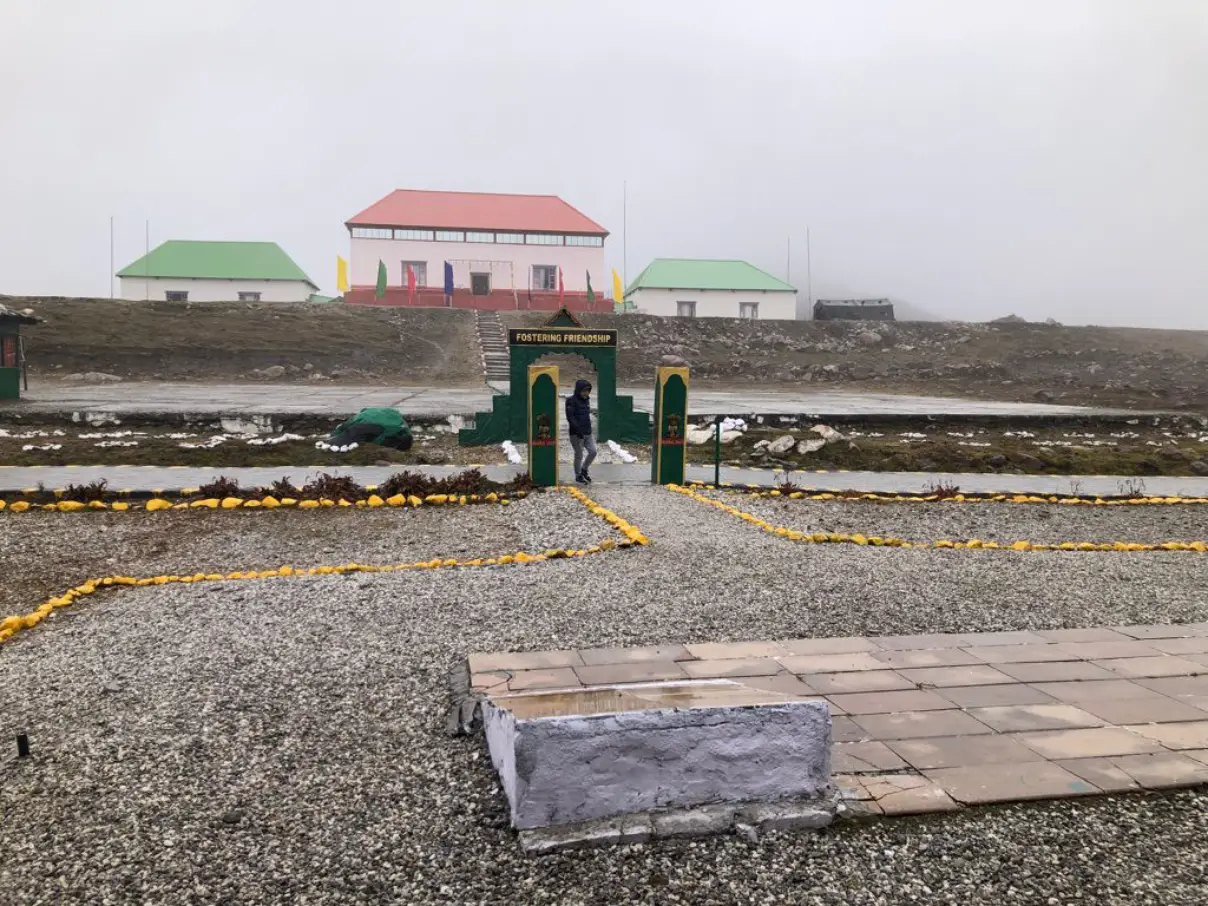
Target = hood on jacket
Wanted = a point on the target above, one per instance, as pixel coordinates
(581, 385)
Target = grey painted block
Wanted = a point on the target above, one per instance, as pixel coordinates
(562, 770)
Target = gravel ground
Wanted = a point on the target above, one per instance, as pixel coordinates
(58, 550)
(280, 741)
(1000, 522)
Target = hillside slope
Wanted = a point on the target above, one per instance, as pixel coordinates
(230, 340)
(1131, 367)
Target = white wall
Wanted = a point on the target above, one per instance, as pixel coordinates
(715, 303)
(574, 260)
(136, 289)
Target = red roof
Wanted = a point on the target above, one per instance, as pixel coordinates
(476, 211)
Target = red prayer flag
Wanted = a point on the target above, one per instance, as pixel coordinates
(559, 286)
(410, 285)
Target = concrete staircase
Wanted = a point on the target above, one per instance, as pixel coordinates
(493, 341)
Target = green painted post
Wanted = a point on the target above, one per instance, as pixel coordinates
(670, 425)
(543, 425)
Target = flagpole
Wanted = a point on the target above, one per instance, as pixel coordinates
(625, 232)
(110, 256)
(809, 274)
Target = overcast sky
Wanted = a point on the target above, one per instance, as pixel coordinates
(973, 159)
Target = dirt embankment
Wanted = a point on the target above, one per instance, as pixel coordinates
(231, 341)
(1126, 367)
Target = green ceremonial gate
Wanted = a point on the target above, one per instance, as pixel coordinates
(541, 395)
(561, 334)
(668, 455)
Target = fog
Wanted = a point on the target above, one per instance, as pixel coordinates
(968, 160)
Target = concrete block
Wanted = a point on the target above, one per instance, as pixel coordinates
(789, 815)
(569, 769)
(616, 831)
(704, 821)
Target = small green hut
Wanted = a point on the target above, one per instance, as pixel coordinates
(12, 352)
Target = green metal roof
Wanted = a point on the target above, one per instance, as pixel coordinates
(703, 273)
(217, 261)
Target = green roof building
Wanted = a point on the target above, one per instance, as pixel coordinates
(706, 288)
(187, 271)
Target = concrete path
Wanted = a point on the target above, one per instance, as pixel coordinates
(341, 399)
(928, 723)
(15, 478)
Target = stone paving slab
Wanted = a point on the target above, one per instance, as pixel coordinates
(989, 717)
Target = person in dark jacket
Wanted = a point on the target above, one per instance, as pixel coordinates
(578, 419)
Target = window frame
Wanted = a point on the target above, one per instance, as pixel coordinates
(421, 272)
(754, 309)
(10, 350)
(544, 239)
(679, 308)
(363, 232)
(553, 277)
(483, 274)
(585, 241)
(413, 235)
(479, 236)
(239, 295)
(176, 295)
(510, 238)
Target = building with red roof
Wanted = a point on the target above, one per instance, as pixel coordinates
(505, 251)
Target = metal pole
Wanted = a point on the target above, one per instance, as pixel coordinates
(110, 256)
(717, 455)
(809, 274)
(147, 266)
(625, 233)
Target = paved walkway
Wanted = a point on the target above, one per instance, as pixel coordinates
(156, 477)
(328, 399)
(927, 723)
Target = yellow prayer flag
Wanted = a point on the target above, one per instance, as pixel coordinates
(341, 274)
(618, 295)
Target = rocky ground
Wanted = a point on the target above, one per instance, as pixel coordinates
(986, 521)
(1127, 367)
(98, 340)
(55, 445)
(281, 741)
(1084, 447)
(55, 551)
(1095, 447)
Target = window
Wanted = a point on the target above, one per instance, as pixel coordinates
(480, 284)
(685, 309)
(372, 233)
(176, 296)
(450, 236)
(595, 241)
(8, 353)
(480, 237)
(425, 235)
(421, 272)
(249, 297)
(517, 238)
(542, 239)
(748, 310)
(545, 276)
